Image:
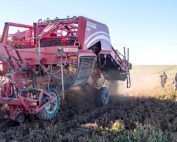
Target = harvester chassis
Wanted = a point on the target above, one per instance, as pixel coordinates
(38, 64)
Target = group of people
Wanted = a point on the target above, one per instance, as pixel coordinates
(164, 80)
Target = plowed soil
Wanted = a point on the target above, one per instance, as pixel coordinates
(80, 120)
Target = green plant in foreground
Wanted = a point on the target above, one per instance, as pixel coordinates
(149, 134)
(117, 126)
(122, 138)
(142, 134)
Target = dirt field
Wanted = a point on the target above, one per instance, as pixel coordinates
(144, 113)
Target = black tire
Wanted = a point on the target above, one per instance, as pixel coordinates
(51, 111)
(102, 98)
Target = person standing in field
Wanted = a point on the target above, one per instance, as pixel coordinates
(175, 82)
(163, 79)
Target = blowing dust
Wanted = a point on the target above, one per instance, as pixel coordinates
(145, 83)
(80, 99)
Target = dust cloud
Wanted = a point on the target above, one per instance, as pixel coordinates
(143, 82)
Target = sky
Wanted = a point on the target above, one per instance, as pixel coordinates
(147, 27)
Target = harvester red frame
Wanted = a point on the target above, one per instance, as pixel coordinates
(49, 44)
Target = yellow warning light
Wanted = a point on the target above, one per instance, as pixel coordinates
(73, 57)
(34, 104)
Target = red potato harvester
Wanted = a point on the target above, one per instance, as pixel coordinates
(41, 61)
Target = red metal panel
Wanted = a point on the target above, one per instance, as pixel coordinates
(81, 30)
(95, 32)
(10, 101)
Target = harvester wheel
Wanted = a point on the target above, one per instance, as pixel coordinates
(50, 111)
(102, 96)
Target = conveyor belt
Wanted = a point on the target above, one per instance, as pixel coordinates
(85, 68)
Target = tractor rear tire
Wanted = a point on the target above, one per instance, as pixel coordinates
(102, 97)
(50, 112)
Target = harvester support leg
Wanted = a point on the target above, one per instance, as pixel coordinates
(62, 82)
